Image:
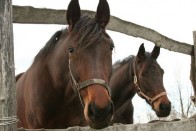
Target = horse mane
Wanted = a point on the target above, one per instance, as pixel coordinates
(122, 62)
(49, 45)
(88, 32)
(125, 60)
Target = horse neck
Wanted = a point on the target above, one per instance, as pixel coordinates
(121, 82)
(58, 64)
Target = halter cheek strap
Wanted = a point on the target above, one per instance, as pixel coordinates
(79, 86)
(142, 94)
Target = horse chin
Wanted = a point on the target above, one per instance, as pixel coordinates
(162, 114)
(98, 123)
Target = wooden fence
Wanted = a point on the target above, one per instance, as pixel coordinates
(38, 16)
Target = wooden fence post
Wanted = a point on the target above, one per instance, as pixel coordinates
(7, 76)
(193, 69)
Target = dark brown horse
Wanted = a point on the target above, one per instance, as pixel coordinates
(139, 74)
(67, 83)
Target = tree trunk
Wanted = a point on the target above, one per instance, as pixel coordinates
(7, 75)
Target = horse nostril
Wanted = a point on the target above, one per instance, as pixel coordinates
(109, 108)
(165, 107)
(97, 112)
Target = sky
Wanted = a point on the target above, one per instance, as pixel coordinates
(172, 18)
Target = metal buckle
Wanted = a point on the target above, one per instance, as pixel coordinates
(135, 79)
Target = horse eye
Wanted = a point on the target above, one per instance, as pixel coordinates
(111, 47)
(71, 50)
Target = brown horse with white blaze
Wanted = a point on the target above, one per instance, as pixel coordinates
(67, 83)
(139, 74)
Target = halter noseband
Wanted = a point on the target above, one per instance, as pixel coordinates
(139, 91)
(81, 85)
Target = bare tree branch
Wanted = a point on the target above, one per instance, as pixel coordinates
(30, 15)
(181, 101)
(186, 107)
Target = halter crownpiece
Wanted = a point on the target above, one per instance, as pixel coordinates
(81, 85)
(139, 91)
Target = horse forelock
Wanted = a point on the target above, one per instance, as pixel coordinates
(88, 32)
(148, 59)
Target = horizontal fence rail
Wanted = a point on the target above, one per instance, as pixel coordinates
(31, 15)
(184, 125)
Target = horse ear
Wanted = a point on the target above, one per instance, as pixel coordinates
(73, 13)
(155, 53)
(141, 53)
(103, 13)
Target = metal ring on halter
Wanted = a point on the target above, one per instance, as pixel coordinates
(135, 79)
(79, 86)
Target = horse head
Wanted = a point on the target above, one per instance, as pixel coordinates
(90, 62)
(148, 79)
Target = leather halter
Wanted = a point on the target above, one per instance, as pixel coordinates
(139, 91)
(81, 85)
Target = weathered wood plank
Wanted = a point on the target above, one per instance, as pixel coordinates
(184, 125)
(30, 15)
